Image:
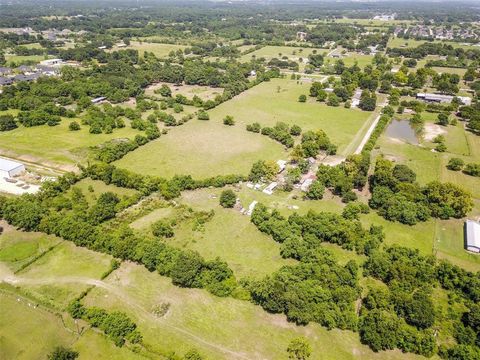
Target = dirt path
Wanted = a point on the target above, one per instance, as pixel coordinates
(367, 135)
(7, 276)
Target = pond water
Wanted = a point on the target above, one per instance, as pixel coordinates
(402, 130)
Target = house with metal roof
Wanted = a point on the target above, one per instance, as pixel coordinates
(6, 80)
(10, 168)
(440, 98)
(472, 236)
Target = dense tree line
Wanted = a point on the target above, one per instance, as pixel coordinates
(398, 197)
(301, 234)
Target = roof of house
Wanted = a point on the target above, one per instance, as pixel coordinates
(9, 165)
(473, 233)
(5, 81)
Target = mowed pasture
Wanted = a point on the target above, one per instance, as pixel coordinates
(208, 148)
(29, 333)
(277, 100)
(159, 50)
(55, 145)
(92, 189)
(18, 248)
(202, 149)
(203, 92)
(220, 328)
(63, 273)
(228, 235)
(292, 52)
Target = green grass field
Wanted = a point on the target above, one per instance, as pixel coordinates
(277, 100)
(204, 92)
(159, 50)
(207, 148)
(293, 53)
(18, 248)
(24, 58)
(62, 274)
(55, 145)
(220, 328)
(202, 149)
(100, 187)
(29, 333)
(351, 58)
(400, 42)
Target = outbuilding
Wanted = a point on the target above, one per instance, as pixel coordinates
(472, 236)
(10, 168)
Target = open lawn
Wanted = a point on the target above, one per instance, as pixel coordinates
(293, 53)
(159, 50)
(396, 42)
(27, 332)
(228, 235)
(277, 100)
(99, 187)
(202, 149)
(351, 58)
(24, 58)
(207, 148)
(60, 275)
(203, 92)
(55, 145)
(18, 248)
(94, 345)
(220, 328)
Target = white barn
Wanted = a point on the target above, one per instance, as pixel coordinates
(10, 168)
(472, 236)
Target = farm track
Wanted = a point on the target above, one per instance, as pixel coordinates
(8, 277)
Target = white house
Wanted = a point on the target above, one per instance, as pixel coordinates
(472, 236)
(10, 168)
(269, 189)
(282, 164)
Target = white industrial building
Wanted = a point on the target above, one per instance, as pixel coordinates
(439, 98)
(10, 168)
(472, 236)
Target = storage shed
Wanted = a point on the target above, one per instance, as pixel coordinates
(10, 168)
(472, 236)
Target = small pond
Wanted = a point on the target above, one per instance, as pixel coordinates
(402, 130)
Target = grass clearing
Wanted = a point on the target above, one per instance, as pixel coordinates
(204, 92)
(202, 149)
(55, 145)
(159, 50)
(277, 100)
(144, 222)
(93, 345)
(100, 187)
(228, 235)
(27, 332)
(293, 53)
(220, 328)
(25, 58)
(54, 278)
(18, 248)
(207, 148)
